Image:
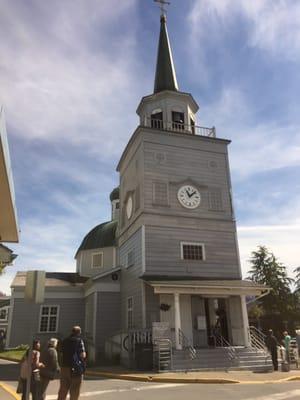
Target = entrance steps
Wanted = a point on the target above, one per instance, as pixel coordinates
(213, 359)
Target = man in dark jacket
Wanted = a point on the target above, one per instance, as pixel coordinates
(51, 367)
(72, 365)
(271, 343)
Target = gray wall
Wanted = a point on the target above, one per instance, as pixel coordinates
(163, 252)
(130, 284)
(26, 319)
(84, 261)
(108, 321)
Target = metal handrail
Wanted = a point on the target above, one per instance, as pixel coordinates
(257, 338)
(178, 127)
(222, 342)
(187, 345)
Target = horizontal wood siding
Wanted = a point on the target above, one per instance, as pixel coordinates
(163, 252)
(131, 285)
(84, 261)
(89, 316)
(26, 319)
(108, 320)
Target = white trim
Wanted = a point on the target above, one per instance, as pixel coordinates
(95, 316)
(132, 310)
(80, 262)
(192, 244)
(105, 273)
(96, 253)
(207, 291)
(57, 317)
(143, 249)
(144, 321)
(133, 258)
(6, 308)
(9, 325)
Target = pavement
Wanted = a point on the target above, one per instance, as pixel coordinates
(104, 382)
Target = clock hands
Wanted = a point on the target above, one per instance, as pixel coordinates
(190, 194)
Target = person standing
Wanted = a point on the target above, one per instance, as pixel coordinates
(72, 365)
(35, 368)
(286, 341)
(49, 359)
(271, 343)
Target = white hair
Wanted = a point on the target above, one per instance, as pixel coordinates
(52, 342)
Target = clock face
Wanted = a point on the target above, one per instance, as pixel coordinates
(189, 196)
(129, 207)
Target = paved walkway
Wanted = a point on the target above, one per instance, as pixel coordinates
(196, 377)
(7, 392)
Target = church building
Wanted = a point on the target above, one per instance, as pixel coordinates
(164, 273)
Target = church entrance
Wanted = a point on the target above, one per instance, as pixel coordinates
(210, 319)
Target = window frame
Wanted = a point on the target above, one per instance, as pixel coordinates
(102, 259)
(127, 312)
(41, 315)
(192, 244)
(6, 308)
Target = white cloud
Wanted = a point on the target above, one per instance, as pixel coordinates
(61, 78)
(282, 240)
(273, 25)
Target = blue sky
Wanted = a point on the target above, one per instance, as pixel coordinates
(72, 74)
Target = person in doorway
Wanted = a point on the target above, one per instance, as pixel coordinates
(271, 343)
(48, 373)
(286, 342)
(72, 366)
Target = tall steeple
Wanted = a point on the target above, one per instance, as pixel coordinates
(165, 76)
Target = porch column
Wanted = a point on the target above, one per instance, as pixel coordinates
(245, 321)
(177, 321)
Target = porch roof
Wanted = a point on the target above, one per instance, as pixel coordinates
(210, 287)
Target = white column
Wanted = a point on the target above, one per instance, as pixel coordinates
(245, 321)
(177, 320)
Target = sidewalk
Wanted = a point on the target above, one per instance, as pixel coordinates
(196, 377)
(8, 393)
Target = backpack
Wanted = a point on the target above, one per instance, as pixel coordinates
(78, 365)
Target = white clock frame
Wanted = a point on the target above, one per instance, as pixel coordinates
(189, 196)
(129, 207)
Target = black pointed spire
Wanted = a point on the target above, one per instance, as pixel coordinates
(165, 76)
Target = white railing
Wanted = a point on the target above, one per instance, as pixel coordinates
(163, 354)
(257, 338)
(179, 127)
(220, 341)
(187, 345)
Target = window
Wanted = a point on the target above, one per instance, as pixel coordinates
(97, 260)
(178, 120)
(215, 200)
(160, 193)
(130, 258)
(130, 313)
(48, 319)
(157, 120)
(4, 314)
(192, 251)
(117, 205)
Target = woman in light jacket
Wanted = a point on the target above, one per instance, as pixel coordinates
(51, 367)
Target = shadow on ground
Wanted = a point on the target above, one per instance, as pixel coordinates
(9, 372)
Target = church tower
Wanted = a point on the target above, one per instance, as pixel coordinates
(177, 234)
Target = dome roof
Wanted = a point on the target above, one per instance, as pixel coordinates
(115, 194)
(103, 235)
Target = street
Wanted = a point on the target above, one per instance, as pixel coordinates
(108, 389)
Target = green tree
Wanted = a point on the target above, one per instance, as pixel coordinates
(267, 270)
(297, 280)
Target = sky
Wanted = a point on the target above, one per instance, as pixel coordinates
(72, 73)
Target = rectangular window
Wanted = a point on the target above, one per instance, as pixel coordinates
(97, 260)
(192, 251)
(160, 193)
(4, 314)
(178, 120)
(130, 258)
(130, 313)
(48, 319)
(215, 200)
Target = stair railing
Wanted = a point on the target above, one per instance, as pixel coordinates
(187, 345)
(257, 338)
(220, 341)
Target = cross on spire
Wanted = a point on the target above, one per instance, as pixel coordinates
(162, 3)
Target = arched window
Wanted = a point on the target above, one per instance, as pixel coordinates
(157, 119)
